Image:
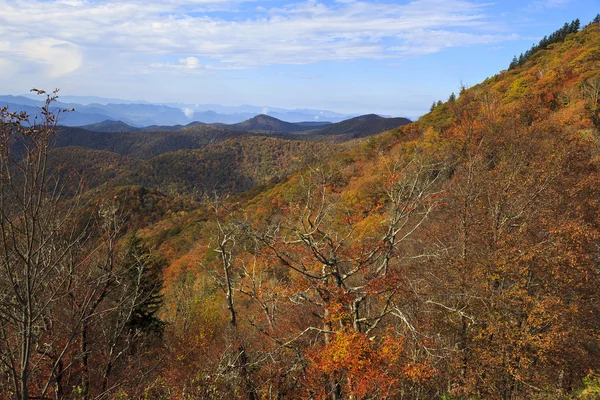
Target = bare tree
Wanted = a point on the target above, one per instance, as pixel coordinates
(226, 236)
(37, 235)
(61, 273)
(347, 277)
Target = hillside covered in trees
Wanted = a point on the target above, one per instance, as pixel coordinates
(454, 257)
(191, 161)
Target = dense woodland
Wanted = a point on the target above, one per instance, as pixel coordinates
(454, 257)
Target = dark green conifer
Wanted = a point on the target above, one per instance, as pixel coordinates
(144, 271)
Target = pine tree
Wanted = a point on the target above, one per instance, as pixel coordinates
(144, 271)
(574, 27)
(564, 31)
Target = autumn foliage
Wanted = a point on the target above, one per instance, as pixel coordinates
(456, 257)
(453, 257)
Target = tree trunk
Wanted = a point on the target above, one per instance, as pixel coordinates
(85, 372)
(25, 354)
(58, 377)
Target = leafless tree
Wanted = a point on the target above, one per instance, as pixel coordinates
(37, 236)
(61, 272)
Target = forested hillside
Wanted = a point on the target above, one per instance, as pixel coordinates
(198, 159)
(228, 167)
(454, 257)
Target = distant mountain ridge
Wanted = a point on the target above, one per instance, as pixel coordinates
(119, 126)
(364, 125)
(150, 142)
(93, 110)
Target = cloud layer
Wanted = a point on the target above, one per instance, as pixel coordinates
(60, 36)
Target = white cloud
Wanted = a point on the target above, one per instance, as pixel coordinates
(186, 66)
(188, 112)
(57, 57)
(298, 33)
(541, 4)
(53, 57)
(424, 42)
(190, 62)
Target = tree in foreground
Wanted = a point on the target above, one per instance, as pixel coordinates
(73, 301)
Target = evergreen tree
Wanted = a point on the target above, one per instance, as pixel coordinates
(144, 271)
(452, 98)
(575, 25)
(564, 31)
(556, 37)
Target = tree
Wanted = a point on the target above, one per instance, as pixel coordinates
(37, 239)
(126, 317)
(574, 26)
(143, 271)
(590, 89)
(63, 282)
(226, 237)
(342, 261)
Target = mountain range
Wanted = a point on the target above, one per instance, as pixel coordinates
(360, 126)
(89, 110)
(190, 160)
(146, 143)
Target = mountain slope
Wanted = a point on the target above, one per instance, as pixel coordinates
(228, 167)
(454, 257)
(143, 144)
(358, 127)
(91, 168)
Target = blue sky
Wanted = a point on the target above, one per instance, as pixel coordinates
(387, 57)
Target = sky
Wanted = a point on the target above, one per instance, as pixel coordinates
(386, 57)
